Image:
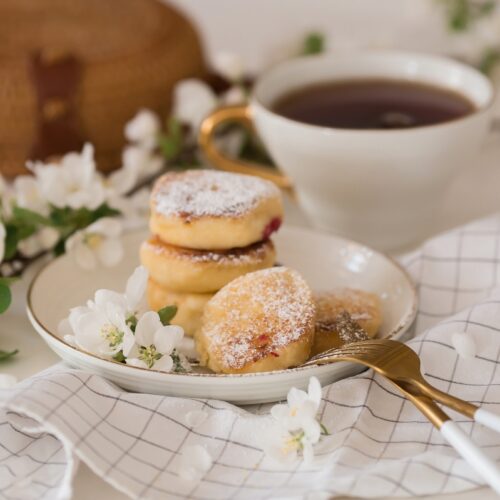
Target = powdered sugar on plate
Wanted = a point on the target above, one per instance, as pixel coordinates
(201, 193)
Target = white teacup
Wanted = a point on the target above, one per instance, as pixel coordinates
(380, 187)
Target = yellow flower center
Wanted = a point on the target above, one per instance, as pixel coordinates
(93, 240)
(149, 355)
(112, 334)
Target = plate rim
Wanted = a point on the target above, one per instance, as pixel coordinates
(403, 325)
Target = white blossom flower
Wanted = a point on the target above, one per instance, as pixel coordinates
(133, 302)
(27, 194)
(234, 95)
(101, 330)
(193, 100)
(134, 209)
(7, 381)
(144, 129)
(117, 308)
(98, 243)
(154, 343)
(71, 183)
(141, 161)
(464, 344)
(297, 428)
(194, 462)
(6, 198)
(119, 182)
(228, 65)
(3, 234)
(44, 239)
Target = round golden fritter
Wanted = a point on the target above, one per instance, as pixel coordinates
(261, 321)
(209, 209)
(363, 307)
(189, 305)
(202, 271)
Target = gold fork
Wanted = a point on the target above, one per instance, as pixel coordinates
(401, 366)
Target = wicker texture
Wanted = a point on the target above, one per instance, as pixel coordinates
(132, 52)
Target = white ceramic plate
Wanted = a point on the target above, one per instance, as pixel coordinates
(325, 261)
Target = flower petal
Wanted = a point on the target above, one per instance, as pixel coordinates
(107, 226)
(104, 297)
(7, 381)
(296, 397)
(143, 128)
(280, 412)
(110, 252)
(312, 430)
(308, 452)
(87, 331)
(136, 287)
(464, 344)
(146, 327)
(194, 462)
(229, 65)
(121, 181)
(314, 391)
(84, 257)
(193, 100)
(167, 338)
(164, 364)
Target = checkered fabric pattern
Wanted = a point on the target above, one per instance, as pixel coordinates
(379, 445)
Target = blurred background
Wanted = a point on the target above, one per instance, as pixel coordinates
(79, 71)
(263, 31)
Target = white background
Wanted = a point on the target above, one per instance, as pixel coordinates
(262, 32)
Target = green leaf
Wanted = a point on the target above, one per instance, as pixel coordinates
(104, 211)
(174, 128)
(11, 241)
(5, 355)
(5, 297)
(166, 314)
(119, 357)
(489, 60)
(324, 430)
(178, 367)
(169, 147)
(59, 248)
(462, 14)
(314, 43)
(132, 322)
(71, 219)
(171, 141)
(30, 217)
(4, 280)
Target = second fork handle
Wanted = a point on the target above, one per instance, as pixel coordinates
(465, 447)
(477, 413)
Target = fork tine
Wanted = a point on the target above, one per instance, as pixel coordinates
(367, 348)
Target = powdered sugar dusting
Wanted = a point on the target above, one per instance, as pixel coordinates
(252, 254)
(363, 307)
(200, 193)
(258, 315)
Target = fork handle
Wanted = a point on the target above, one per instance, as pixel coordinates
(487, 418)
(477, 413)
(472, 454)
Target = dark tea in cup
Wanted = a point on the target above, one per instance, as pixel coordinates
(373, 104)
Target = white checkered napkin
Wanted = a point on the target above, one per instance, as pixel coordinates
(379, 445)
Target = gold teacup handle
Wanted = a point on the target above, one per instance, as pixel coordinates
(206, 140)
